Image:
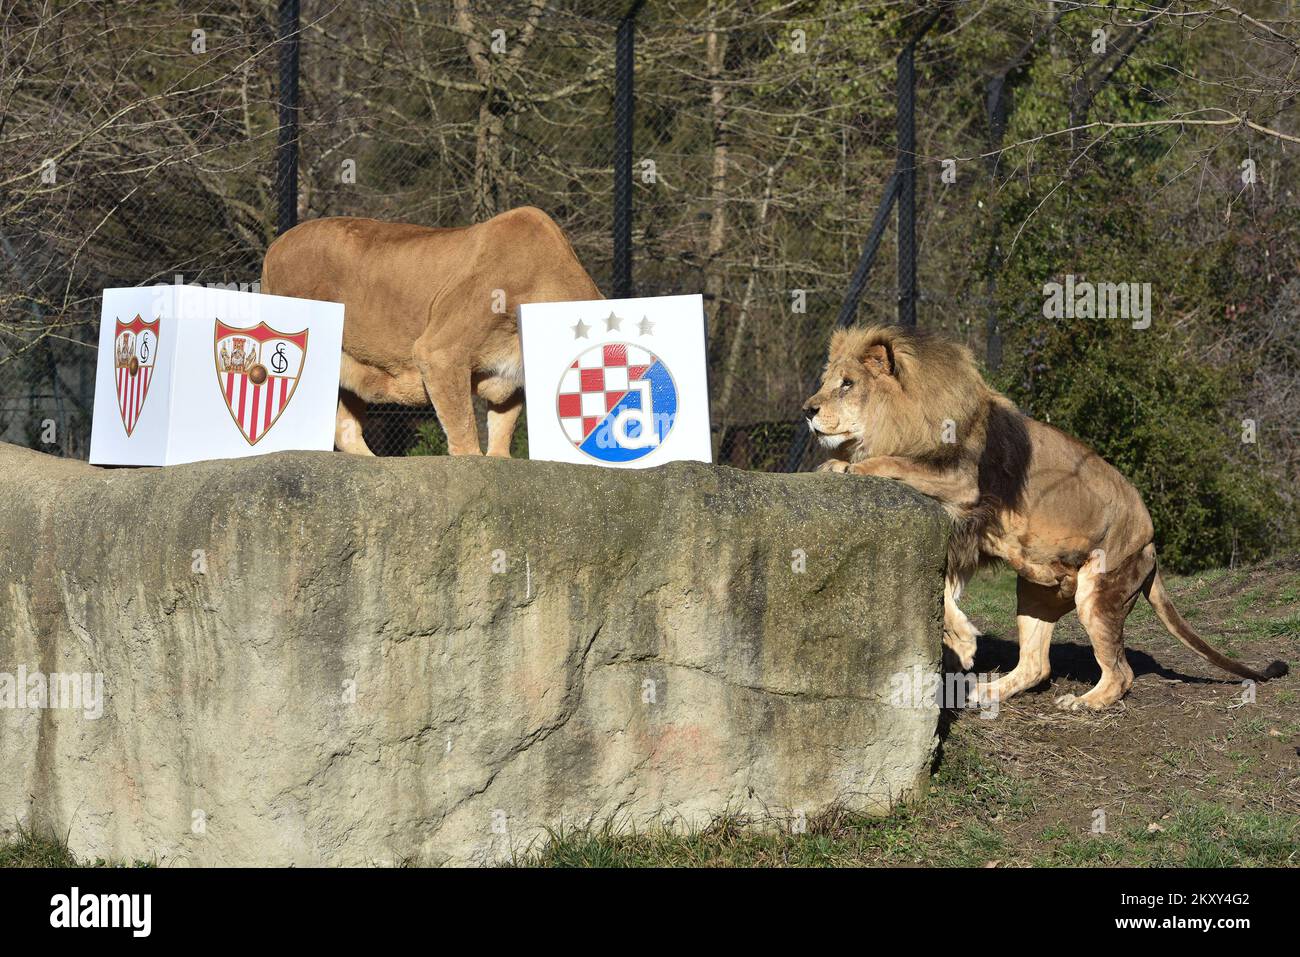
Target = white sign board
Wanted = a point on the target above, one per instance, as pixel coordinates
(616, 382)
(188, 373)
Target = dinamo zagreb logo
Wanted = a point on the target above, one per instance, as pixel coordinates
(617, 402)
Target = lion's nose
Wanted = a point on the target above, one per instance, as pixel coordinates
(810, 411)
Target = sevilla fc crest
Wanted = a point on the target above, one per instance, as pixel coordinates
(258, 371)
(616, 402)
(135, 352)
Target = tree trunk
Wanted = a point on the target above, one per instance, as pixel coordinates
(714, 271)
(731, 367)
(489, 171)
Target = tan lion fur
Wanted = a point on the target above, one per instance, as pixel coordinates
(430, 314)
(913, 407)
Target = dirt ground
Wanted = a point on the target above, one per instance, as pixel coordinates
(1185, 736)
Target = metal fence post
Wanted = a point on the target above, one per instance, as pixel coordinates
(997, 120)
(849, 308)
(906, 166)
(286, 149)
(623, 107)
(900, 189)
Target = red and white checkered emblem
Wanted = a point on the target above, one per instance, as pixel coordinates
(595, 383)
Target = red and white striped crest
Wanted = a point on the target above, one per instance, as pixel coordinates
(135, 352)
(257, 370)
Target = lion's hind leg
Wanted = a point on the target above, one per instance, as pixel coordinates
(505, 401)
(1104, 599)
(349, 422)
(501, 421)
(448, 382)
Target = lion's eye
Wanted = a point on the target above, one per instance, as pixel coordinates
(846, 385)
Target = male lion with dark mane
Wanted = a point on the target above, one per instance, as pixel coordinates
(914, 408)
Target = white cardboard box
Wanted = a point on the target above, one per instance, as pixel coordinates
(617, 382)
(189, 372)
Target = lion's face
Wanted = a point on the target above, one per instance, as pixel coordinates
(841, 412)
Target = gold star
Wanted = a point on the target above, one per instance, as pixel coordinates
(645, 326)
(612, 323)
(580, 329)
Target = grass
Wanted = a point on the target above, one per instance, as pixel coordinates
(29, 849)
(834, 839)
(1198, 834)
(970, 819)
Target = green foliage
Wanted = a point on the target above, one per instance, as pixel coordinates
(32, 847)
(29, 848)
(1153, 402)
(1157, 416)
(430, 439)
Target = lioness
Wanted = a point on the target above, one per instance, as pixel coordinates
(913, 407)
(429, 314)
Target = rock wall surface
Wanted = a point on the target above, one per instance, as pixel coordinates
(315, 658)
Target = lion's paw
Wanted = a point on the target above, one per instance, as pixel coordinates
(1069, 702)
(833, 465)
(988, 694)
(961, 647)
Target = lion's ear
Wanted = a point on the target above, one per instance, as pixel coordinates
(878, 360)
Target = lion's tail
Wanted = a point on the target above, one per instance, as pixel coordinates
(1154, 589)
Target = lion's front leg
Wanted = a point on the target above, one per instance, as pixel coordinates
(959, 635)
(834, 465)
(844, 466)
(953, 486)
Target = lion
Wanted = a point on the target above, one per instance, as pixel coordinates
(430, 314)
(913, 407)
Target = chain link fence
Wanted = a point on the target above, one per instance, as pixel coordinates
(147, 153)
